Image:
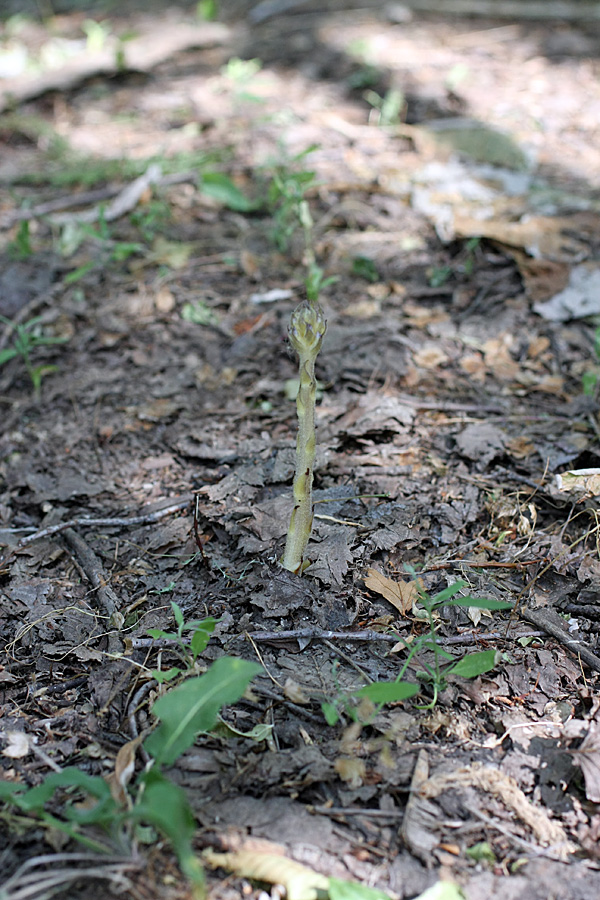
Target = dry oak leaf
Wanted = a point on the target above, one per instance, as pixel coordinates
(401, 594)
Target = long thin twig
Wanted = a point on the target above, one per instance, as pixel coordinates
(84, 522)
(94, 572)
(316, 634)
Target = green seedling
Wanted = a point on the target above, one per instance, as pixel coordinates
(207, 10)
(286, 198)
(387, 110)
(241, 73)
(20, 248)
(199, 313)
(151, 218)
(316, 281)
(367, 76)
(470, 665)
(306, 332)
(432, 674)
(462, 266)
(189, 650)
(364, 267)
(97, 34)
(109, 819)
(26, 339)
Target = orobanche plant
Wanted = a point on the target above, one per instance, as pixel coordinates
(306, 331)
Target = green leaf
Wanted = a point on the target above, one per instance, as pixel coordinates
(157, 633)
(481, 852)
(7, 354)
(474, 664)
(194, 706)
(8, 789)
(388, 691)
(167, 675)
(452, 589)
(199, 313)
(364, 267)
(104, 811)
(443, 890)
(350, 890)
(179, 620)
(79, 273)
(201, 637)
(439, 651)
(331, 713)
(480, 603)
(220, 187)
(165, 806)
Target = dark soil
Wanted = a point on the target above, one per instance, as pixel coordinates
(448, 406)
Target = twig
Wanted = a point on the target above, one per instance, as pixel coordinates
(94, 572)
(542, 619)
(83, 522)
(355, 636)
(512, 9)
(85, 198)
(356, 811)
(134, 704)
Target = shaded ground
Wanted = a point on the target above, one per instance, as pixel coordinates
(448, 406)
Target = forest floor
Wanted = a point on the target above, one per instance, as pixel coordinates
(452, 172)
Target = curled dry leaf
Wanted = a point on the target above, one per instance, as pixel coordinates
(18, 746)
(294, 692)
(300, 882)
(352, 771)
(587, 757)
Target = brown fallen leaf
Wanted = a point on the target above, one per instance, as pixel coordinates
(401, 594)
(352, 771)
(586, 481)
(124, 769)
(587, 757)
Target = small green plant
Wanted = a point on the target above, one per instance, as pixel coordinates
(387, 110)
(364, 267)
(463, 265)
(108, 818)
(97, 34)
(20, 248)
(189, 650)
(435, 664)
(207, 10)
(316, 281)
(241, 73)
(286, 198)
(26, 339)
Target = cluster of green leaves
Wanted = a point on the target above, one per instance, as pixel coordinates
(86, 802)
(462, 266)
(389, 108)
(286, 198)
(436, 665)
(189, 651)
(27, 337)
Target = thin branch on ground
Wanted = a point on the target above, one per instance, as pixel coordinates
(110, 522)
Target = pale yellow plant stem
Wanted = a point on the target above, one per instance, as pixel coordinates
(307, 328)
